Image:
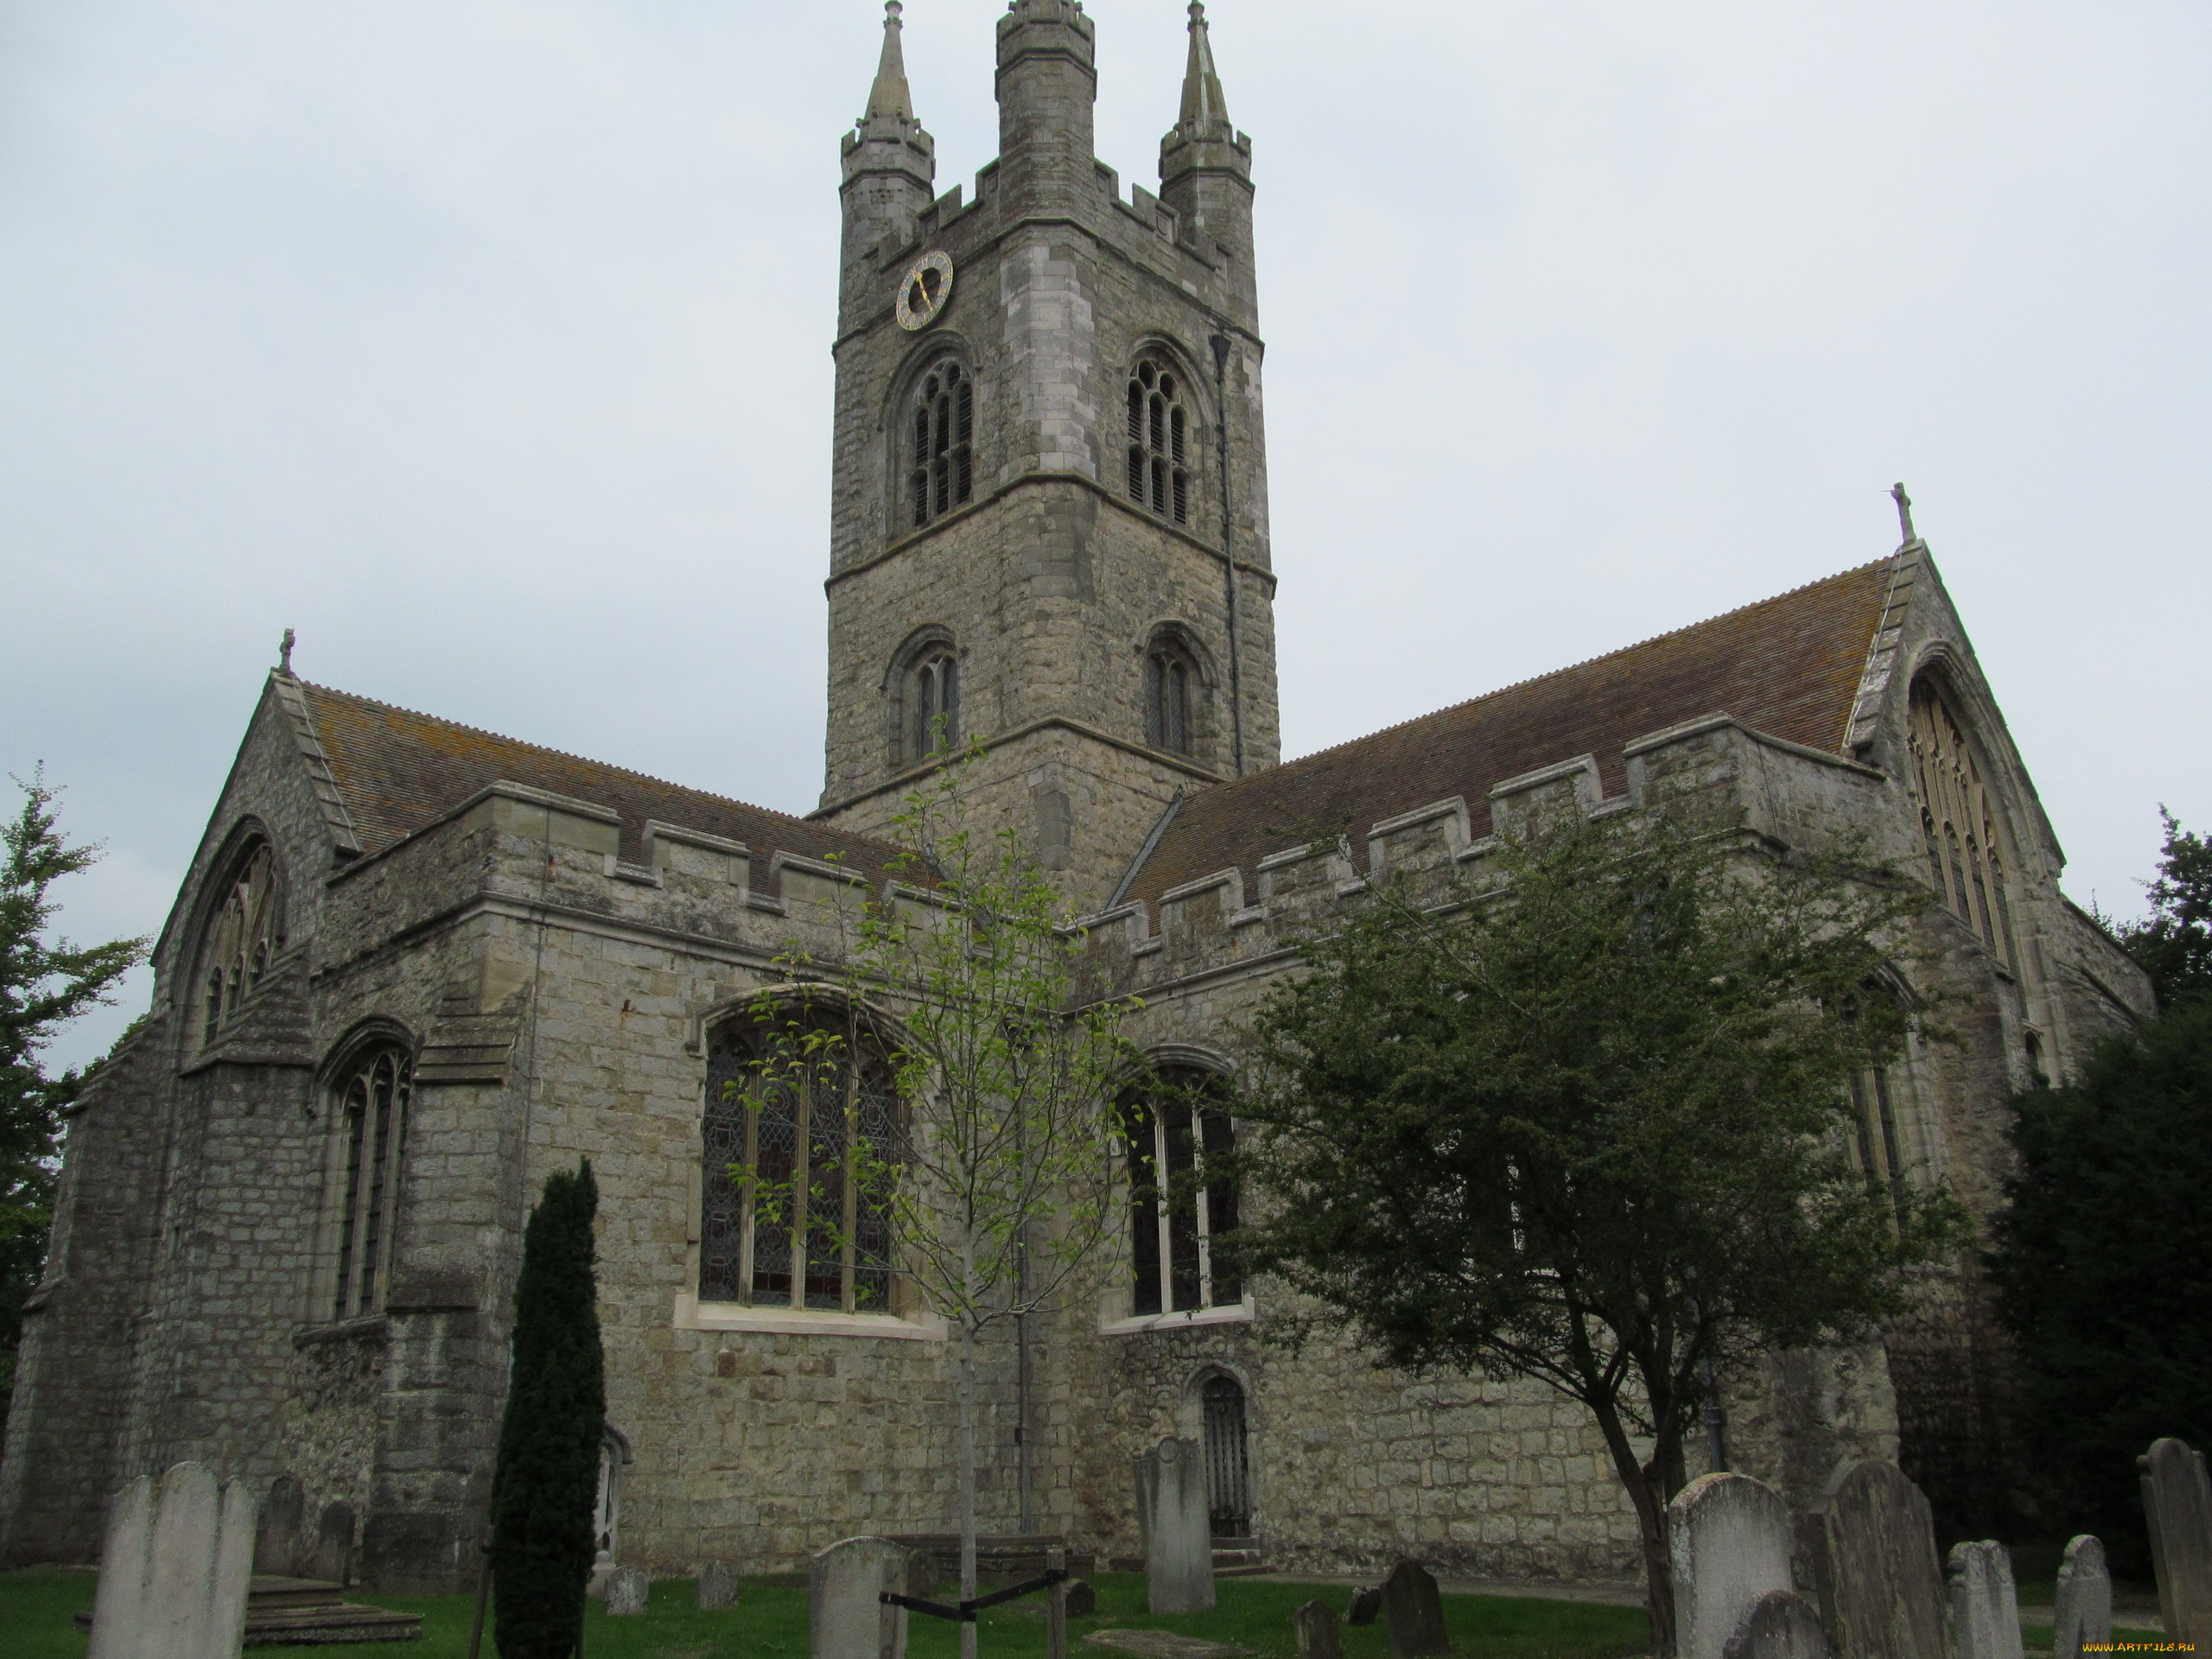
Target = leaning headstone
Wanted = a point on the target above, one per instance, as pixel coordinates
(1412, 1613)
(1366, 1604)
(2177, 1502)
(1317, 1636)
(628, 1590)
(1984, 1607)
(278, 1544)
(1873, 1568)
(1728, 1545)
(1781, 1625)
(851, 1619)
(717, 1586)
(1083, 1600)
(1178, 1528)
(177, 1567)
(2083, 1619)
(331, 1560)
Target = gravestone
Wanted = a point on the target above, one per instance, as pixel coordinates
(1366, 1604)
(2083, 1619)
(2177, 1502)
(1781, 1625)
(1985, 1607)
(1161, 1644)
(1412, 1613)
(1317, 1636)
(628, 1590)
(278, 1544)
(1872, 1566)
(176, 1569)
(1083, 1600)
(851, 1619)
(716, 1587)
(1178, 1530)
(331, 1560)
(1728, 1545)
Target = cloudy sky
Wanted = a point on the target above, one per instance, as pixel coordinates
(486, 343)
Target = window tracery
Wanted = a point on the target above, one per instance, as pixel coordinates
(1158, 456)
(801, 1136)
(941, 468)
(244, 933)
(1959, 822)
(1176, 1213)
(374, 1096)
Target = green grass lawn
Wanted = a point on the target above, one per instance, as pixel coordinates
(770, 1623)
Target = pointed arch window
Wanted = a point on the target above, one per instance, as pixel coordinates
(1177, 1128)
(801, 1138)
(247, 931)
(373, 1093)
(934, 698)
(1959, 822)
(1170, 695)
(1159, 449)
(941, 459)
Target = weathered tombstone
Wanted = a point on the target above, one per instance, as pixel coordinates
(1412, 1613)
(278, 1543)
(1317, 1638)
(1083, 1600)
(628, 1590)
(2083, 1619)
(2177, 1502)
(177, 1567)
(332, 1557)
(851, 1620)
(1178, 1529)
(1366, 1604)
(1874, 1567)
(1985, 1607)
(1781, 1625)
(1728, 1545)
(717, 1586)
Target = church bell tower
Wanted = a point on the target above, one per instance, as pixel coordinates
(1050, 523)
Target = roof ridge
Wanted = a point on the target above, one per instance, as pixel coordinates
(585, 760)
(1550, 674)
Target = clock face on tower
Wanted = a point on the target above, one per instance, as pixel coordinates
(924, 291)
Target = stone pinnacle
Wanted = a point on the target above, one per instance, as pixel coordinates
(890, 95)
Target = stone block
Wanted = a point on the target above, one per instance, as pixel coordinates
(1985, 1607)
(1178, 1528)
(716, 1586)
(2178, 1504)
(1728, 1546)
(2083, 1617)
(1781, 1625)
(176, 1570)
(1319, 1638)
(850, 1620)
(628, 1590)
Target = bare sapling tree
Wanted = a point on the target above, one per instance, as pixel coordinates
(956, 990)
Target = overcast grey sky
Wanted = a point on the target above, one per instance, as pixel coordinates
(486, 343)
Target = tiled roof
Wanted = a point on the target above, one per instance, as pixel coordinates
(1788, 666)
(400, 770)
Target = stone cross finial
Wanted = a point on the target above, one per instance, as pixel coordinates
(284, 654)
(1904, 512)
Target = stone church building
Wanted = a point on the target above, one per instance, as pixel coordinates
(415, 968)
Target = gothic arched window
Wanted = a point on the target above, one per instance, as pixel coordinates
(246, 930)
(801, 1134)
(1159, 446)
(1959, 822)
(941, 462)
(1176, 1130)
(933, 700)
(373, 1097)
(1170, 696)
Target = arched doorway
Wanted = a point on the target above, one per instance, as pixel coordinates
(1229, 1477)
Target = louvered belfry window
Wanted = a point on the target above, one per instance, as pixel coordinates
(1159, 446)
(374, 1099)
(797, 1199)
(1175, 1213)
(246, 932)
(1959, 823)
(1167, 678)
(941, 469)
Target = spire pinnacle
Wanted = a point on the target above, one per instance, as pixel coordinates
(890, 95)
(1204, 105)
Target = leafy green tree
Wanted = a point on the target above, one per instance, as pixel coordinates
(2174, 943)
(1588, 1123)
(998, 1191)
(44, 983)
(546, 1482)
(2103, 1266)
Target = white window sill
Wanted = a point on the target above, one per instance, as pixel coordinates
(1242, 1312)
(692, 1314)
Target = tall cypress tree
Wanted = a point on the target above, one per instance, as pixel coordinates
(547, 1479)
